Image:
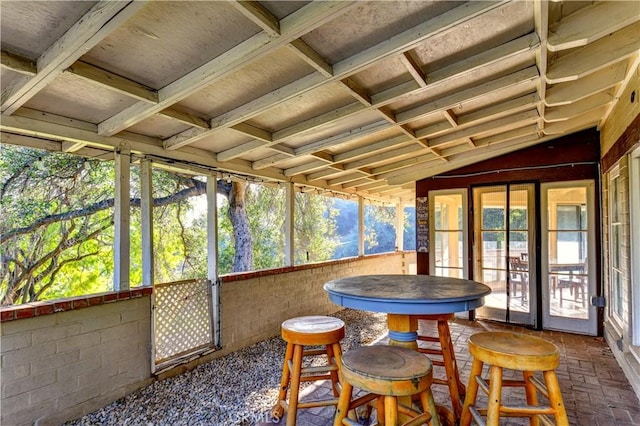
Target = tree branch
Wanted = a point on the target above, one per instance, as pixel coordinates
(198, 188)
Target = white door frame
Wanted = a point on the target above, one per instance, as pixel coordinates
(582, 326)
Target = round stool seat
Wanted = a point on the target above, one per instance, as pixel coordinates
(514, 351)
(387, 370)
(313, 330)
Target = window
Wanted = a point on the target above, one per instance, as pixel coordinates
(616, 245)
(447, 211)
(634, 192)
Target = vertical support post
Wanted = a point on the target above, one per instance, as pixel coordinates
(146, 214)
(360, 226)
(399, 227)
(289, 224)
(212, 253)
(121, 219)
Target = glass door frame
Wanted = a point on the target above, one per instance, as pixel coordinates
(552, 322)
(465, 228)
(514, 316)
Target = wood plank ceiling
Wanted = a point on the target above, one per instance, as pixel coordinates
(358, 97)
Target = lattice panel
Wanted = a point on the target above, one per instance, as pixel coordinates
(182, 318)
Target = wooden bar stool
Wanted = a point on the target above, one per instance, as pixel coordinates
(298, 333)
(446, 358)
(519, 352)
(386, 372)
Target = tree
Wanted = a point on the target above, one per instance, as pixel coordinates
(56, 230)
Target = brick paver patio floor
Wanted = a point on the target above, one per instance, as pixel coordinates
(594, 388)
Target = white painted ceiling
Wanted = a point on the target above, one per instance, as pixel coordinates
(358, 97)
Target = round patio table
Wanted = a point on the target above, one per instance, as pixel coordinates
(403, 298)
(400, 296)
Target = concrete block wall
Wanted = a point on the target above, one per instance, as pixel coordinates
(60, 366)
(63, 359)
(253, 309)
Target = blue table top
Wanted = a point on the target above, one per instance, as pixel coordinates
(407, 294)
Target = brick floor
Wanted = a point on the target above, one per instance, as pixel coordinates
(594, 388)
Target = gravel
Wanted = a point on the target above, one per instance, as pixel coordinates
(237, 389)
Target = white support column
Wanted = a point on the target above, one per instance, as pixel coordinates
(360, 226)
(399, 227)
(289, 224)
(146, 215)
(121, 220)
(212, 228)
(212, 254)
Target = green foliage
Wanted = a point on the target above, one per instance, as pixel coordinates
(379, 229)
(315, 228)
(58, 233)
(43, 257)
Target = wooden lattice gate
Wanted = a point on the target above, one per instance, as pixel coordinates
(183, 314)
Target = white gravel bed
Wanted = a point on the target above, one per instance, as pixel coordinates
(237, 389)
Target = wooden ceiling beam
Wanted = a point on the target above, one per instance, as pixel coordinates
(358, 182)
(421, 171)
(238, 150)
(593, 57)
(526, 75)
(253, 131)
(333, 170)
(581, 122)
(357, 91)
(512, 48)
(259, 15)
(517, 120)
(18, 64)
(305, 168)
(566, 112)
(311, 57)
(384, 156)
(385, 171)
(371, 149)
(185, 117)
(103, 18)
(592, 23)
(411, 64)
(345, 68)
(348, 178)
(113, 81)
(572, 91)
(292, 27)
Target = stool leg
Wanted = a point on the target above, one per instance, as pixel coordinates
(294, 388)
(424, 399)
(453, 377)
(555, 397)
(532, 396)
(472, 392)
(380, 410)
(495, 396)
(343, 403)
(390, 410)
(278, 410)
(334, 374)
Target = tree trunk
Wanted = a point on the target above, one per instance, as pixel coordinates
(243, 260)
